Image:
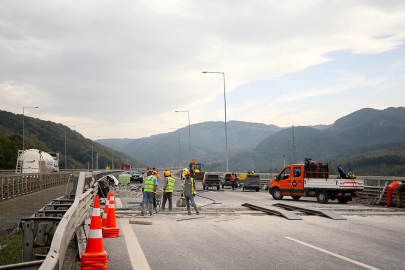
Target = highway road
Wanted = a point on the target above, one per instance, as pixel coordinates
(370, 238)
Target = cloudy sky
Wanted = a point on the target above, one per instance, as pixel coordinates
(120, 68)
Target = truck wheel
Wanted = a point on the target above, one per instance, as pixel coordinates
(222, 186)
(141, 181)
(257, 189)
(277, 194)
(296, 197)
(342, 200)
(217, 187)
(322, 196)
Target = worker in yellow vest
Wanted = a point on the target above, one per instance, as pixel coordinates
(168, 190)
(149, 190)
(189, 191)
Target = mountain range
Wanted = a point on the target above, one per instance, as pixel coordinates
(366, 134)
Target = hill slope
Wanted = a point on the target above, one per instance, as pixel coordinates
(367, 132)
(50, 136)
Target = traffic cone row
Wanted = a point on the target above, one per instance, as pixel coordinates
(105, 212)
(110, 229)
(94, 257)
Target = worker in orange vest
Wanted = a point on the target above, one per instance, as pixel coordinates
(390, 190)
(233, 182)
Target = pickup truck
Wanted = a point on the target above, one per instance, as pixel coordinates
(211, 180)
(312, 180)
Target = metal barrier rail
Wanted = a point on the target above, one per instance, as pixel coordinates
(72, 220)
(15, 185)
(69, 224)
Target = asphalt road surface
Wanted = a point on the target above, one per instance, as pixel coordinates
(363, 241)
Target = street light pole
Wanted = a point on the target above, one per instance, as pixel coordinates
(226, 130)
(189, 132)
(92, 155)
(24, 124)
(65, 149)
(179, 147)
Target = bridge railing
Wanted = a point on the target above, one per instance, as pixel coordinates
(15, 185)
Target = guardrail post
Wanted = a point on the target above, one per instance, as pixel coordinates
(41, 238)
(1, 189)
(27, 240)
(12, 188)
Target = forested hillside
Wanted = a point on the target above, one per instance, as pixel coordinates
(49, 136)
(368, 142)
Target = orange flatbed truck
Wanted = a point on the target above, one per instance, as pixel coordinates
(312, 180)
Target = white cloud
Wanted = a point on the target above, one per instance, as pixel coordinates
(113, 63)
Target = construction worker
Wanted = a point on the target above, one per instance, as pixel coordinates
(398, 190)
(149, 190)
(189, 191)
(390, 190)
(168, 190)
(233, 180)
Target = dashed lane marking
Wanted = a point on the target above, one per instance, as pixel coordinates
(118, 203)
(137, 257)
(333, 254)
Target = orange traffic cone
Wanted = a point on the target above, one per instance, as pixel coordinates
(111, 229)
(105, 212)
(94, 257)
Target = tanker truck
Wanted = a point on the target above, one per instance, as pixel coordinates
(37, 161)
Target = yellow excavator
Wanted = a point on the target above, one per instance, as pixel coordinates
(195, 170)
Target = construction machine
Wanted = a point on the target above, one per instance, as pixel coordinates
(195, 170)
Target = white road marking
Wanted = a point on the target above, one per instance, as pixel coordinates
(136, 255)
(333, 254)
(118, 203)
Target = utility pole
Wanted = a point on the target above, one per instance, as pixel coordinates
(289, 152)
(293, 134)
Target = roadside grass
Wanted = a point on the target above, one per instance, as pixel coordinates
(11, 252)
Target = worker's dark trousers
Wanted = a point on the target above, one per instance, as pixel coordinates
(233, 184)
(399, 197)
(188, 199)
(167, 196)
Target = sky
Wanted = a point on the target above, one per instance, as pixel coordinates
(120, 68)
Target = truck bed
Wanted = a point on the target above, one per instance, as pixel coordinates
(343, 184)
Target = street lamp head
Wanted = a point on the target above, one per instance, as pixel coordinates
(205, 72)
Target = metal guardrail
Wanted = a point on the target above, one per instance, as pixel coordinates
(15, 185)
(70, 223)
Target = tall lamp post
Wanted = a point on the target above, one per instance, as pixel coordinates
(65, 149)
(92, 155)
(112, 156)
(179, 147)
(226, 130)
(24, 124)
(189, 132)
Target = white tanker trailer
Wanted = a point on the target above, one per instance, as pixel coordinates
(37, 161)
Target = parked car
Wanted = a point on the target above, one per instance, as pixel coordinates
(250, 181)
(211, 180)
(137, 176)
(226, 180)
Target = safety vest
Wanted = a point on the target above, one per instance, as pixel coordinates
(395, 184)
(149, 184)
(170, 184)
(233, 177)
(192, 185)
